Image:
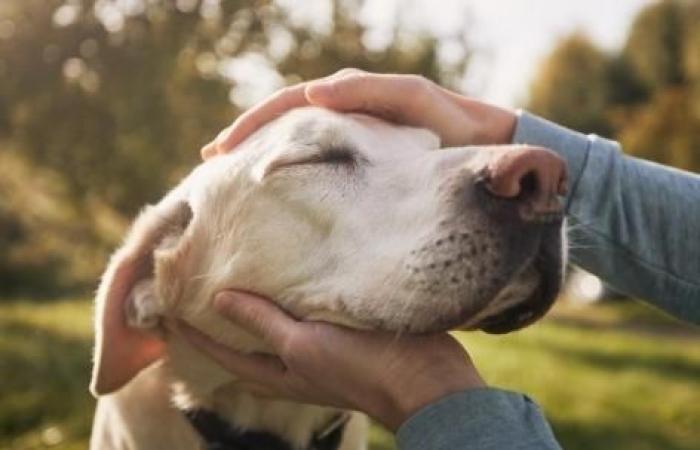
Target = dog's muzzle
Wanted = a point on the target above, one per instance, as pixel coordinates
(521, 195)
(548, 264)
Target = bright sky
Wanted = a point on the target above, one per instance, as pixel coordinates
(512, 36)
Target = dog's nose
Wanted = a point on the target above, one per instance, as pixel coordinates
(529, 178)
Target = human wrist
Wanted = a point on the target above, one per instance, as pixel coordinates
(403, 400)
(493, 125)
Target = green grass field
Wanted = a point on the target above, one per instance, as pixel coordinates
(617, 376)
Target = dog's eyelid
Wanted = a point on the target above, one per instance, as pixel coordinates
(333, 155)
(338, 154)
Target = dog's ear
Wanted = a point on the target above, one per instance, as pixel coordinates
(127, 305)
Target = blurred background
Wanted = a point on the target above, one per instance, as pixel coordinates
(104, 105)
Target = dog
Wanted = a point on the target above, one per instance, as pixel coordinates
(343, 218)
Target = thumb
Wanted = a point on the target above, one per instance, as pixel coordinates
(256, 315)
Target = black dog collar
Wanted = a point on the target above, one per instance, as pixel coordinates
(219, 435)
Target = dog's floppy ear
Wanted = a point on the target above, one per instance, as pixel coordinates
(126, 303)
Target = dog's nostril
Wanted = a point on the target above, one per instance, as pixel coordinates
(523, 183)
(528, 185)
(522, 171)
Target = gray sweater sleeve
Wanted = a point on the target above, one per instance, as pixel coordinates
(478, 419)
(634, 223)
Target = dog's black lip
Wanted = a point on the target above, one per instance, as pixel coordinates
(548, 263)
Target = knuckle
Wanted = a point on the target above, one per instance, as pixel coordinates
(348, 71)
(421, 88)
(356, 78)
(361, 77)
(287, 347)
(357, 86)
(293, 347)
(415, 81)
(255, 317)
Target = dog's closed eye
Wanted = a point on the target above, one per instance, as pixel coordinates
(333, 156)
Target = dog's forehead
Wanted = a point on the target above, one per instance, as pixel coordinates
(308, 126)
(366, 134)
(319, 126)
(316, 129)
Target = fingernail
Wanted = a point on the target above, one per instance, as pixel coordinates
(224, 141)
(208, 151)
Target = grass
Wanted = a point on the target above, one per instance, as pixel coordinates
(45, 368)
(612, 376)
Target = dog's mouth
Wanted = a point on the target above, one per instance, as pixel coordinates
(547, 265)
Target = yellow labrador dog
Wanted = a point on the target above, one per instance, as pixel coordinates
(337, 217)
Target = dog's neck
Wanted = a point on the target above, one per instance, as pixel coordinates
(197, 383)
(217, 434)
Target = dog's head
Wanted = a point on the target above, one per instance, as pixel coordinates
(343, 218)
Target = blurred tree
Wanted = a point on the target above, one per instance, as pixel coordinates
(114, 98)
(666, 130)
(572, 86)
(655, 44)
(692, 53)
(647, 96)
(625, 88)
(48, 244)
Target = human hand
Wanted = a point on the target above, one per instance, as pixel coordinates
(387, 376)
(404, 99)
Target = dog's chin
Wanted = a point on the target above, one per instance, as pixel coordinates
(547, 267)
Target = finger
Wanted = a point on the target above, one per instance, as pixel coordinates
(256, 117)
(375, 93)
(209, 150)
(257, 316)
(258, 367)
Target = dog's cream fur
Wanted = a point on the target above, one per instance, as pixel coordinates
(342, 218)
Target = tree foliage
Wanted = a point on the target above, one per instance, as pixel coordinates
(573, 85)
(111, 99)
(647, 96)
(655, 44)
